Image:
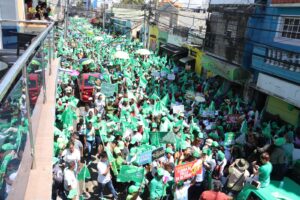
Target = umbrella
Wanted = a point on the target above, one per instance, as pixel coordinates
(143, 52)
(98, 38)
(87, 62)
(199, 99)
(35, 62)
(121, 55)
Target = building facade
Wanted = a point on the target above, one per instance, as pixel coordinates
(272, 53)
(224, 40)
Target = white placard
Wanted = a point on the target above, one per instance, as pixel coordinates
(155, 74)
(171, 77)
(178, 109)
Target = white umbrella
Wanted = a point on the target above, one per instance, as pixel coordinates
(121, 55)
(143, 52)
(200, 99)
(98, 38)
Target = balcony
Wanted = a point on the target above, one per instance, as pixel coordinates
(277, 62)
(24, 92)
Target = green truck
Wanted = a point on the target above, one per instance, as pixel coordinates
(289, 190)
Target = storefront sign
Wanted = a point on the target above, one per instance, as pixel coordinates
(145, 158)
(188, 170)
(277, 87)
(158, 153)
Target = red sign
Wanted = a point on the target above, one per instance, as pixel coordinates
(285, 1)
(188, 170)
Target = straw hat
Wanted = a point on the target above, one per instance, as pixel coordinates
(242, 164)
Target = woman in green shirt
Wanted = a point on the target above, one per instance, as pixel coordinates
(264, 171)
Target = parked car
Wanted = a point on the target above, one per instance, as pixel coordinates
(35, 85)
(86, 87)
(287, 190)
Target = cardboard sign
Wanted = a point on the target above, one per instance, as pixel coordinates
(178, 109)
(145, 158)
(108, 89)
(188, 170)
(171, 77)
(158, 153)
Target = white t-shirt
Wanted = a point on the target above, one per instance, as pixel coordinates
(11, 177)
(68, 156)
(182, 193)
(102, 167)
(69, 179)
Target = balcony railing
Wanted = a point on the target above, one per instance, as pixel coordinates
(22, 94)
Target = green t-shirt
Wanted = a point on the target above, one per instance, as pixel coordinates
(264, 173)
(156, 189)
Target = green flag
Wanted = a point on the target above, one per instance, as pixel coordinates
(131, 173)
(244, 127)
(84, 173)
(72, 193)
(267, 131)
(68, 116)
(143, 82)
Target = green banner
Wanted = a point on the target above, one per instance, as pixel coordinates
(108, 89)
(156, 138)
(131, 173)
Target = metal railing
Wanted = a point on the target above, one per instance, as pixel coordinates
(22, 94)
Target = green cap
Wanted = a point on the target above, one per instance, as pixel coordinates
(133, 189)
(206, 151)
(154, 125)
(280, 141)
(169, 150)
(220, 156)
(117, 150)
(196, 154)
(121, 145)
(214, 136)
(160, 171)
(215, 144)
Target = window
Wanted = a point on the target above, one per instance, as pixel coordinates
(231, 29)
(283, 59)
(290, 27)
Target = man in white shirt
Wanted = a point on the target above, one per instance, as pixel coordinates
(71, 154)
(70, 181)
(104, 177)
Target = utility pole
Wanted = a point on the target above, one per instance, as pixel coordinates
(145, 14)
(103, 23)
(148, 24)
(66, 17)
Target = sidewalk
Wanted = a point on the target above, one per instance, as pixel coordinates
(40, 178)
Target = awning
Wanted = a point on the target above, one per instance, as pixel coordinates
(186, 59)
(224, 69)
(172, 49)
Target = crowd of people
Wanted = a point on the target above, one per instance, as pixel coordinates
(40, 12)
(156, 106)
